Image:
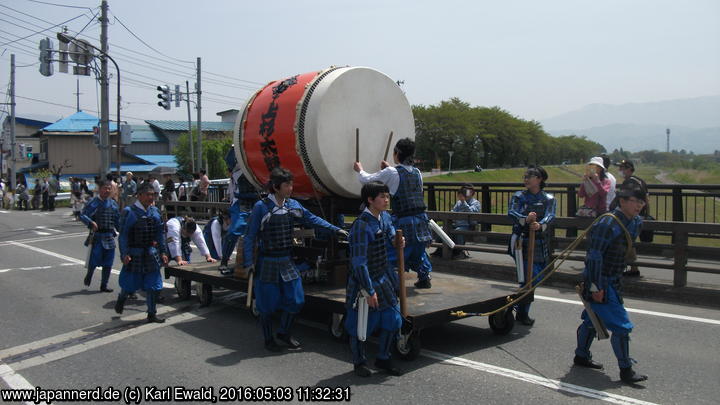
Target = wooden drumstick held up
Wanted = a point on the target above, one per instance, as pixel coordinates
(357, 144)
(387, 147)
(401, 272)
(531, 256)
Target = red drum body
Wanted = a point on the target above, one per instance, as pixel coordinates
(307, 124)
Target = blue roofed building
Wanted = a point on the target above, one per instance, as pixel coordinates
(70, 143)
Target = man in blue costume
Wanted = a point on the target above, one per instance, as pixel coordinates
(101, 215)
(405, 184)
(277, 282)
(242, 195)
(607, 256)
(372, 276)
(531, 210)
(143, 251)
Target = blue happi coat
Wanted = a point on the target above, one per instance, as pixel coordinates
(370, 270)
(142, 237)
(106, 214)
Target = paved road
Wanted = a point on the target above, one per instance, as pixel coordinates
(55, 333)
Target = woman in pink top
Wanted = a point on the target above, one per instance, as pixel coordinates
(595, 186)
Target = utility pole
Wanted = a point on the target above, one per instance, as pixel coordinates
(199, 164)
(13, 148)
(192, 147)
(104, 93)
(77, 94)
(667, 132)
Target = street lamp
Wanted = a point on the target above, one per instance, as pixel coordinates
(450, 164)
(63, 37)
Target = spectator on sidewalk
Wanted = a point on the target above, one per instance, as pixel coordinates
(594, 189)
(466, 202)
(613, 181)
(37, 195)
(53, 188)
(627, 169)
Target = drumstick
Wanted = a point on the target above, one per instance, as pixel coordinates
(357, 144)
(387, 148)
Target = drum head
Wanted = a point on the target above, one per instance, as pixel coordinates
(342, 100)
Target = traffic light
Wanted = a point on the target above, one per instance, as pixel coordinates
(28, 151)
(21, 151)
(164, 97)
(178, 97)
(46, 51)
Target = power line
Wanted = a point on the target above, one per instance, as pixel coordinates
(40, 32)
(58, 5)
(145, 43)
(66, 106)
(147, 55)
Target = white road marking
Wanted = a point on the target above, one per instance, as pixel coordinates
(38, 267)
(4, 212)
(42, 233)
(43, 239)
(534, 379)
(70, 259)
(638, 311)
(49, 229)
(91, 344)
(40, 213)
(14, 380)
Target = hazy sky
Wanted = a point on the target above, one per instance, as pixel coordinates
(533, 58)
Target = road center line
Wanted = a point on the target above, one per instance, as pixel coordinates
(37, 267)
(70, 259)
(534, 379)
(638, 311)
(43, 239)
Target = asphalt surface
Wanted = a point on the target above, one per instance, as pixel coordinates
(57, 334)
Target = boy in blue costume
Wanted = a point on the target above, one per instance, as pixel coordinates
(405, 184)
(372, 276)
(604, 265)
(143, 251)
(277, 282)
(101, 215)
(242, 196)
(531, 210)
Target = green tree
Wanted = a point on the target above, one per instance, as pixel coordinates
(214, 151)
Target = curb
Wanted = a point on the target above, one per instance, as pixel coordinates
(646, 288)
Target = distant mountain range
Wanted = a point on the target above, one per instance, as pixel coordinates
(694, 124)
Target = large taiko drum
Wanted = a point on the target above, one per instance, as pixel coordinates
(307, 124)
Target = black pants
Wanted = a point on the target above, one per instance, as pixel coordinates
(51, 203)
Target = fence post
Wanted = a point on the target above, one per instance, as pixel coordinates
(447, 228)
(432, 204)
(571, 210)
(680, 258)
(485, 207)
(677, 210)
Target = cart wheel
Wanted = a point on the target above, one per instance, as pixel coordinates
(336, 327)
(502, 322)
(204, 292)
(407, 346)
(182, 287)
